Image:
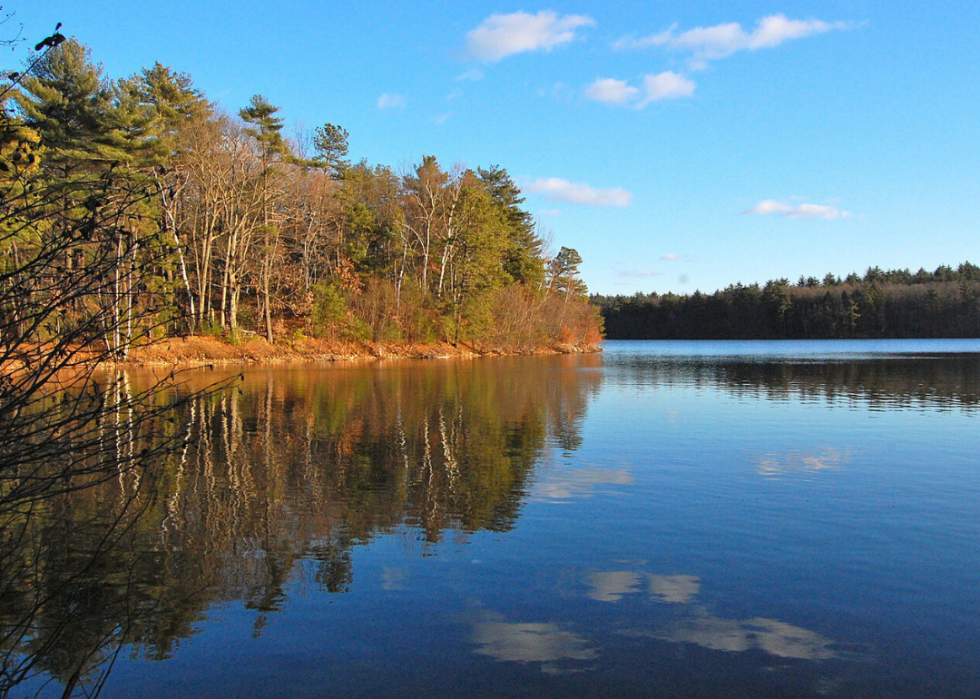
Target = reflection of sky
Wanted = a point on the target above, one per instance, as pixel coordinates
(774, 637)
(610, 587)
(531, 643)
(884, 539)
(613, 586)
(731, 635)
(393, 579)
(680, 589)
(800, 463)
(581, 483)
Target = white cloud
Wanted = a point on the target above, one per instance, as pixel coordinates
(723, 40)
(628, 43)
(662, 86)
(474, 74)
(500, 36)
(611, 91)
(557, 189)
(665, 86)
(719, 40)
(387, 101)
(441, 119)
(774, 30)
(670, 257)
(803, 211)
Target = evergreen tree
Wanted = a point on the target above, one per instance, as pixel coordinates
(523, 259)
(70, 104)
(564, 274)
(170, 102)
(475, 271)
(266, 129)
(330, 144)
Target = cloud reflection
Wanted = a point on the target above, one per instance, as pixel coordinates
(610, 587)
(799, 463)
(614, 585)
(678, 589)
(393, 578)
(532, 643)
(581, 484)
(731, 635)
(701, 628)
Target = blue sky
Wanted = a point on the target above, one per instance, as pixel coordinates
(676, 145)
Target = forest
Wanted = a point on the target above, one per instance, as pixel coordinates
(134, 209)
(877, 305)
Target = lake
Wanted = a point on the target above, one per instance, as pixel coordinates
(664, 519)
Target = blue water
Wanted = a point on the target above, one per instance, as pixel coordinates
(760, 349)
(701, 519)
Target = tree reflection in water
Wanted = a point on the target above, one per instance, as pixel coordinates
(80, 465)
(901, 381)
(287, 465)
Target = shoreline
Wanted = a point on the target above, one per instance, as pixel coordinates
(198, 350)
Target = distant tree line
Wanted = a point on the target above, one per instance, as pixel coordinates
(235, 228)
(879, 304)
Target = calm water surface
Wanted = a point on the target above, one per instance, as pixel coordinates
(674, 519)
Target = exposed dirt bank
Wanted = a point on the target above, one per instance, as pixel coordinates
(202, 350)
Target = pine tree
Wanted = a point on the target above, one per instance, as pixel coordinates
(70, 104)
(172, 96)
(330, 143)
(523, 260)
(266, 129)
